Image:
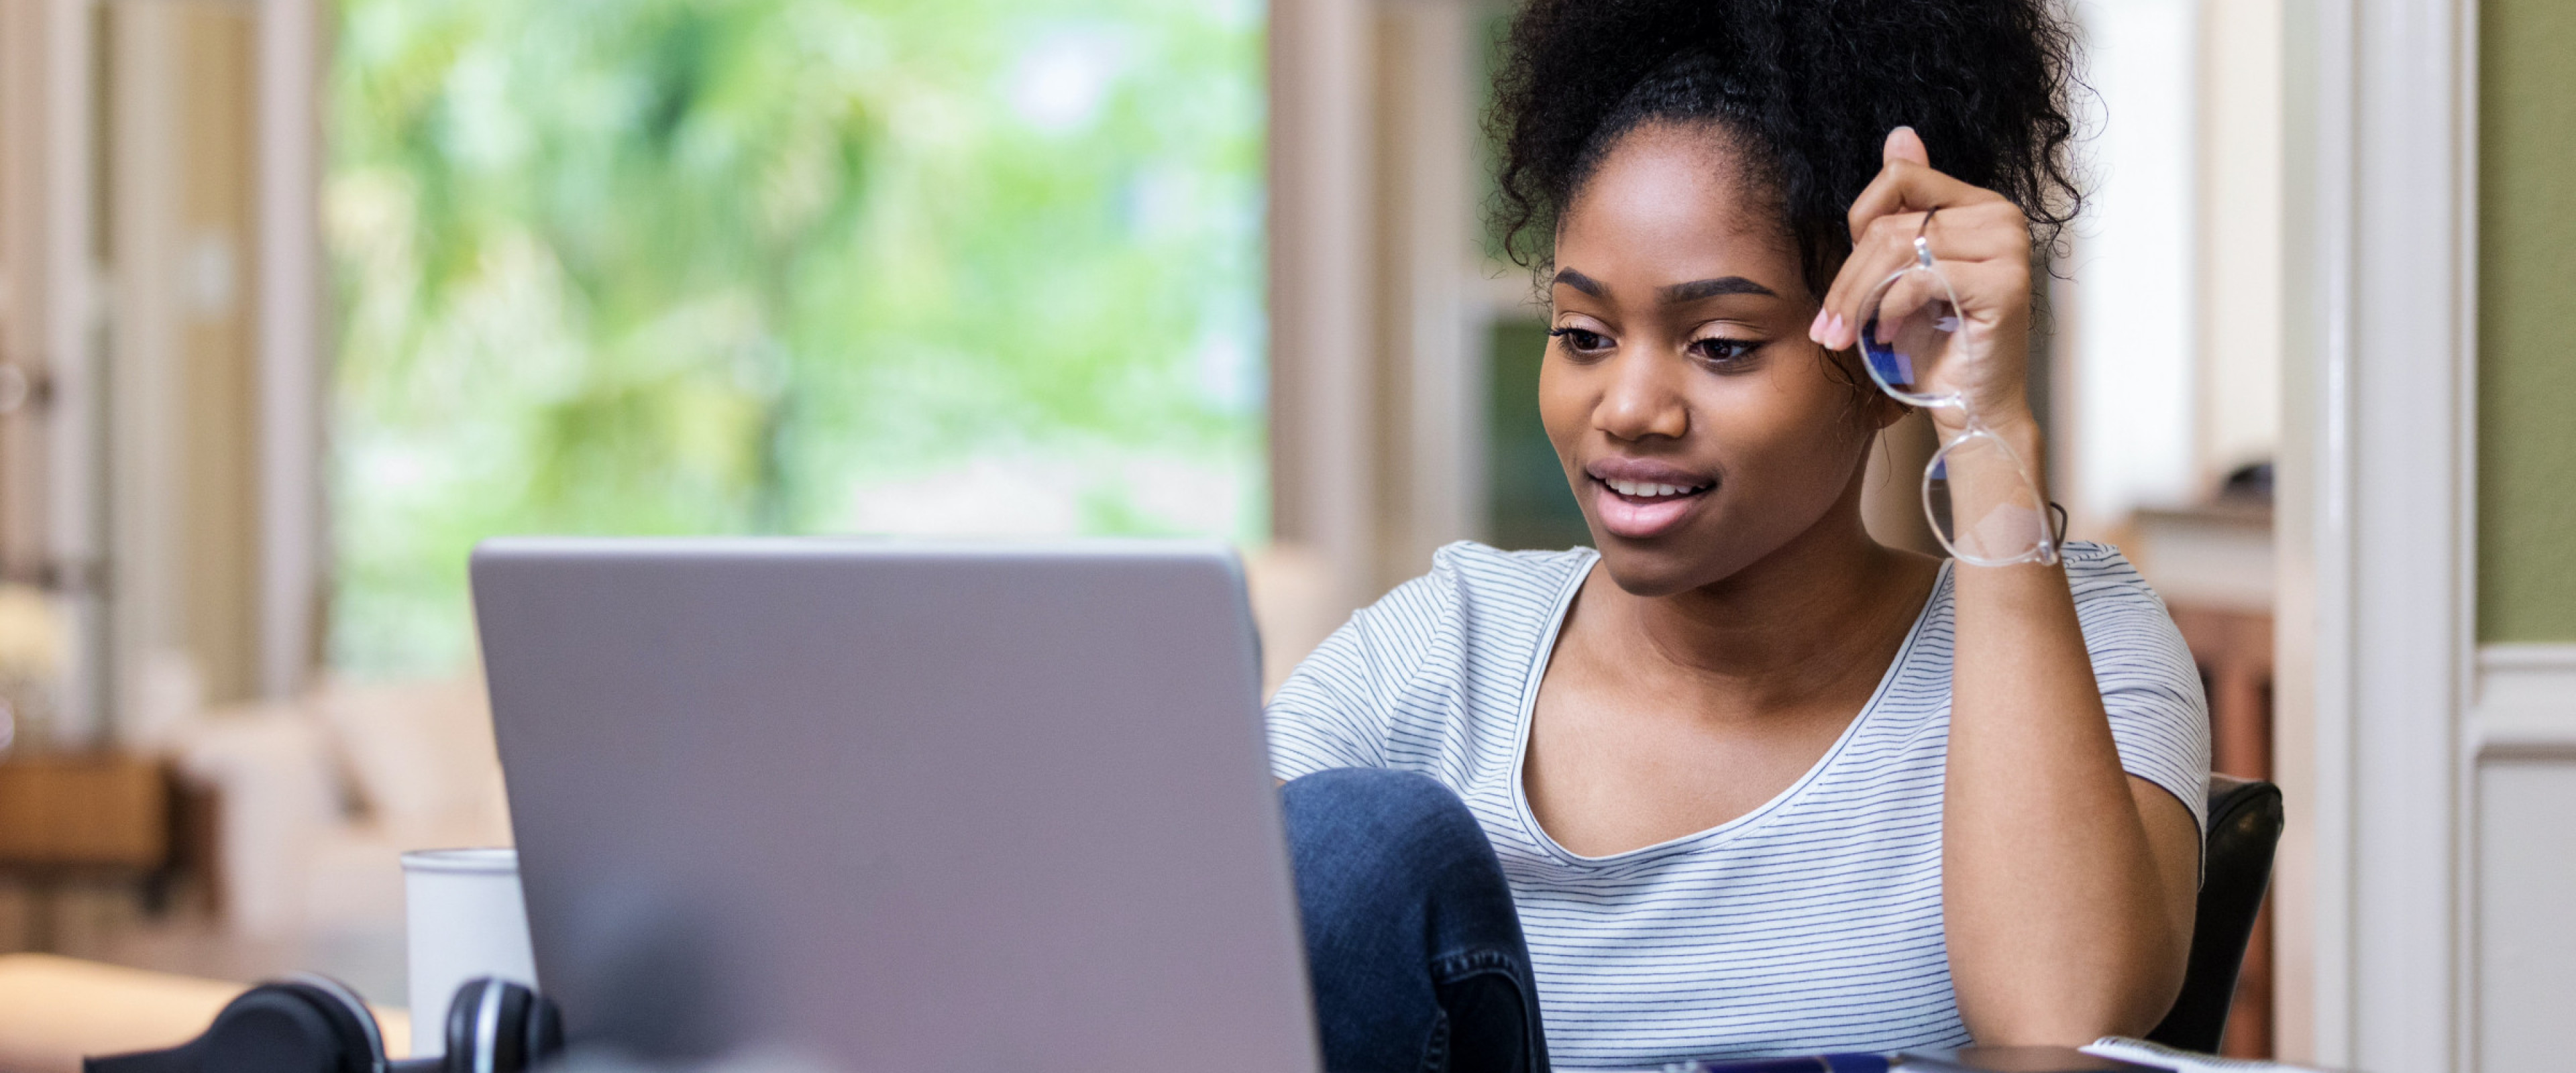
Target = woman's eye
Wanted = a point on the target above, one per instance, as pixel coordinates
(1581, 340)
(1723, 351)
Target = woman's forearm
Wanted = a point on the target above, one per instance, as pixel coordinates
(2067, 888)
(2059, 901)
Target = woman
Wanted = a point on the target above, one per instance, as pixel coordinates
(1745, 781)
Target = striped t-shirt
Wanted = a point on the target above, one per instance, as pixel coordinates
(1812, 923)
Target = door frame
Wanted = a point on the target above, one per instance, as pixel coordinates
(2377, 534)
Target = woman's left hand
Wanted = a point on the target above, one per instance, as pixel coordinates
(1982, 244)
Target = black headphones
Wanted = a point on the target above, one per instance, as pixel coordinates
(312, 1024)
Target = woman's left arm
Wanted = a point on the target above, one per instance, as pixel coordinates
(2067, 884)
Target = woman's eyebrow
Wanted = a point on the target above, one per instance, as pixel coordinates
(1710, 288)
(1581, 282)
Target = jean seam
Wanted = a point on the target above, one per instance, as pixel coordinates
(1435, 1052)
(1452, 968)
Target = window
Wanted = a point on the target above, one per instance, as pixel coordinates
(783, 266)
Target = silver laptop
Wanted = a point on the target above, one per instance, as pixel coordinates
(888, 806)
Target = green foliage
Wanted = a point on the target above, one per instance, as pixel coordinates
(721, 266)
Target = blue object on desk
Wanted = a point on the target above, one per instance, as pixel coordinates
(1812, 1063)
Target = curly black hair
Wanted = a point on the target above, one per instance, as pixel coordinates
(1807, 89)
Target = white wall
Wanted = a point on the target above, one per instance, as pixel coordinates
(2128, 425)
(2240, 115)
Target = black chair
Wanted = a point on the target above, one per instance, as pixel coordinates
(2244, 826)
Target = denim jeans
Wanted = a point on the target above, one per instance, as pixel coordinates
(1411, 939)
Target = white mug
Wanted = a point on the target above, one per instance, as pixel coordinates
(463, 918)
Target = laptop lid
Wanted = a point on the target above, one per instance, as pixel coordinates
(897, 806)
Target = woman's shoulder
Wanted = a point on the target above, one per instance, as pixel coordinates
(2100, 575)
(2132, 637)
(1426, 670)
(1480, 584)
(1471, 565)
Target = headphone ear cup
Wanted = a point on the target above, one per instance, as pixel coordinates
(544, 1035)
(302, 1024)
(510, 1036)
(496, 1026)
(458, 1029)
(362, 1047)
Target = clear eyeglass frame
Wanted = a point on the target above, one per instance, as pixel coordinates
(1910, 330)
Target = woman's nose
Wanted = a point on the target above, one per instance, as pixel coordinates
(1643, 399)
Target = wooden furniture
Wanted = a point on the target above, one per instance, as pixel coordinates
(68, 817)
(54, 1010)
(2213, 564)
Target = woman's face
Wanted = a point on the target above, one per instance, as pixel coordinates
(1700, 427)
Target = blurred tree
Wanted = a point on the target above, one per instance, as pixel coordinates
(713, 266)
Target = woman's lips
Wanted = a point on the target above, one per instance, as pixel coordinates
(1633, 516)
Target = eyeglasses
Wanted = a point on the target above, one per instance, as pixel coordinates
(1984, 506)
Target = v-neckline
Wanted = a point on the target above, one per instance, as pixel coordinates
(1528, 711)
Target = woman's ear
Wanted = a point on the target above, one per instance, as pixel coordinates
(1875, 408)
(1885, 411)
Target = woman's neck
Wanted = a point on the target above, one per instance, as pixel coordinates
(1803, 623)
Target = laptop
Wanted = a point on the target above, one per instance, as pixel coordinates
(896, 806)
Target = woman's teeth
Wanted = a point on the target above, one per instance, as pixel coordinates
(1643, 490)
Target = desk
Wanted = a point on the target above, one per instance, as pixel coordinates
(78, 816)
(54, 1010)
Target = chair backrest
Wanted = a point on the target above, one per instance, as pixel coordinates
(2236, 866)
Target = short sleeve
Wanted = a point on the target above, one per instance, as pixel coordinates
(1336, 709)
(1322, 716)
(2150, 687)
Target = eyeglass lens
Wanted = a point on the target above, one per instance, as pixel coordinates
(1910, 334)
(1982, 504)
(1977, 493)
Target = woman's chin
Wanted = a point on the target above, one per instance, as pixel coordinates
(1658, 569)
